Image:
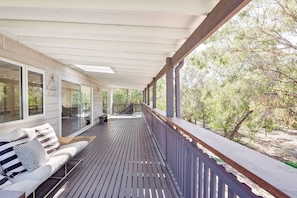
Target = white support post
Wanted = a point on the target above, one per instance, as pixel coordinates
(148, 95)
(169, 88)
(154, 94)
(177, 89)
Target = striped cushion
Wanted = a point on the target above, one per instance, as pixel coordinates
(48, 138)
(8, 158)
(4, 181)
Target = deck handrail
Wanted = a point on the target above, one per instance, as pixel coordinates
(277, 178)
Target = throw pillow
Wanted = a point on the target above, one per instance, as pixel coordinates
(9, 161)
(31, 154)
(4, 181)
(48, 138)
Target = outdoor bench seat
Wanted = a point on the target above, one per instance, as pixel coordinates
(28, 181)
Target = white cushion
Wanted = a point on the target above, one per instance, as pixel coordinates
(15, 134)
(45, 171)
(4, 181)
(27, 186)
(29, 131)
(56, 161)
(71, 149)
(40, 174)
(31, 154)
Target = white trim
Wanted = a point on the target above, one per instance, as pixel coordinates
(42, 72)
(60, 107)
(92, 103)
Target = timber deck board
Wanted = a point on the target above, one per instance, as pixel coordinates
(122, 161)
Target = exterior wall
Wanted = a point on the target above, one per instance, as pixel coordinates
(14, 51)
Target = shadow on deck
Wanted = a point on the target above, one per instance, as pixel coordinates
(122, 161)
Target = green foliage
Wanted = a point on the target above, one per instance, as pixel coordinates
(127, 96)
(161, 93)
(244, 76)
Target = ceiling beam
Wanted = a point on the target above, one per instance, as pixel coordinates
(101, 53)
(68, 59)
(85, 28)
(190, 7)
(99, 44)
(143, 67)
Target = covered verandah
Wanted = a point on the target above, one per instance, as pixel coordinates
(122, 161)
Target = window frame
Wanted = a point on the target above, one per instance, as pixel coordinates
(26, 104)
(24, 91)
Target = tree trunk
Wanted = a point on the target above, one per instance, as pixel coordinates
(235, 130)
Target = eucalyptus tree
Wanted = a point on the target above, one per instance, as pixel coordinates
(248, 70)
(269, 38)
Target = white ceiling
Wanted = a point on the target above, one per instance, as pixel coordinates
(133, 37)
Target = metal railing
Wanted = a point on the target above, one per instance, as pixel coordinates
(192, 154)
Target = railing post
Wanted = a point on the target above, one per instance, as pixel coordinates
(148, 94)
(169, 88)
(154, 93)
(110, 102)
(144, 96)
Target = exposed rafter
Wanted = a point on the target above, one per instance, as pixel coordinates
(99, 44)
(190, 7)
(90, 28)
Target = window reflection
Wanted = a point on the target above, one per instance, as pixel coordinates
(86, 106)
(35, 93)
(10, 92)
(70, 108)
(76, 107)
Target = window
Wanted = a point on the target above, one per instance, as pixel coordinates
(15, 78)
(35, 93)
(10, 92)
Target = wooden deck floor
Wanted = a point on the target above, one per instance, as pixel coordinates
(121, 162)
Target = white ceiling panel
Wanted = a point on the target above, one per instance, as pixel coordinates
(133, 37)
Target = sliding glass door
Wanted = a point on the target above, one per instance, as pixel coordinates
(86, 105)
(76, 107)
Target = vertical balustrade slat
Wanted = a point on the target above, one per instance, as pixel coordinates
(213, 184)
(194, 187)
(231, 194)
(200, 188)
(221, 189)
(183, 167)
(206, 181)
(188, 167)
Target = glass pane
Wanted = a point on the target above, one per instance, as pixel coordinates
(70, 108)
(86, 105)
(35, 93)
(104, 101)
(10, 92)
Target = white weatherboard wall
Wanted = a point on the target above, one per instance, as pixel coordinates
(14, 51)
